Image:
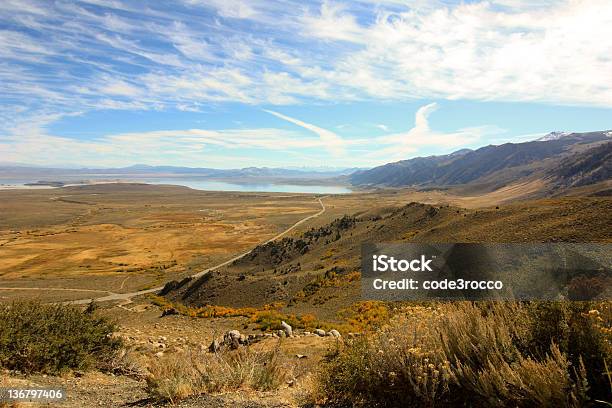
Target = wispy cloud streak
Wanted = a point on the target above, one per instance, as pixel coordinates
(331, 140)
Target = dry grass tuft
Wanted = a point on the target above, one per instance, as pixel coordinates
(487, 354)
(176, 376)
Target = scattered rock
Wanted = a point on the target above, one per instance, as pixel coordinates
(334, 333)
(281, 333)
(301, 356)
(320, 332)
(287, 329)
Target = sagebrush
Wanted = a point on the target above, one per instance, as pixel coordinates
(52, 338)
(476, 354)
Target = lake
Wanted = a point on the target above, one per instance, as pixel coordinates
(207, 185)
(210, 185)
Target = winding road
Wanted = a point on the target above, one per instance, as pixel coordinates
(127, 296)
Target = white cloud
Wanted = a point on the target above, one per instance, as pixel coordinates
(177, 147)
(59, 59)
(231, 8)
(332, 22)
(557, 54)
(29, 141)
(331, 141)
(118, 87)
(402, 145)
(550, 51)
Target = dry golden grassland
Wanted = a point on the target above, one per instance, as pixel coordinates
(125, 237)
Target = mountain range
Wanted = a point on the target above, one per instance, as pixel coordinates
(560, 160)
(557, 162)
(13, 170)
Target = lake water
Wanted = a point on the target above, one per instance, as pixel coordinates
(207, 185)
(210, 185)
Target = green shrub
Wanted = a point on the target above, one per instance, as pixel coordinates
(36, 337)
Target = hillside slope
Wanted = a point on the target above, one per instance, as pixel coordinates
(490, 167)
(584, 168)
(318, 271)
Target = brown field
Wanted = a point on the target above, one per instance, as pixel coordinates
(126, 237)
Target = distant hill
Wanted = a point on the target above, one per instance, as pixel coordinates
(492, 167)
(142, 170)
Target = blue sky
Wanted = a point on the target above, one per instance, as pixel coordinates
(233, 83)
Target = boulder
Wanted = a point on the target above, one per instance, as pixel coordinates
(287, 329)
(320, 332)
(334, 333)
(232, 338)
(170, 312)
(214, 346)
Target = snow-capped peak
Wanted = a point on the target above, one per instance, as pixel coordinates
(553, 136)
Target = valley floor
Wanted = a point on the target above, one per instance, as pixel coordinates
(82, 242)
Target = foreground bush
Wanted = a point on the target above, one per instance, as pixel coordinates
(176, 376)
(36, 337)
(463, 354)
